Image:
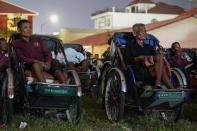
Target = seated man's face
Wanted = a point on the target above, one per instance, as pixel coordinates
(25, 29)
(176, 48)
(141, 33)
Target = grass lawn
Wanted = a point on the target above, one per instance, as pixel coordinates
(94, 119)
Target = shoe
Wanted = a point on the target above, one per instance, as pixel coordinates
(157, 87)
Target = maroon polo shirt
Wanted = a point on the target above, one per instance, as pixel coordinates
(35, 49)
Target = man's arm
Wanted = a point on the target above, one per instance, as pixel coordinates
(140, 58)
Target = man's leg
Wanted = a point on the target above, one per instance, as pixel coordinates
(61, 78)
(158, 68)
(84, 66)
(37, 69)
(161, 73)
(166, 79)
(73, 67)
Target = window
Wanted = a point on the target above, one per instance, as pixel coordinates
(154, 20)
(133, 9)
(104, 22)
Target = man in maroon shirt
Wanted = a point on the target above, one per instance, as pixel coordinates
(32, 51)
(3, 54)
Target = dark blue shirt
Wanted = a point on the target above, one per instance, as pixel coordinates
(133, 49)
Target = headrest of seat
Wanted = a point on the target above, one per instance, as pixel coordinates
(14, 36)
(151, 40)
(122, 38)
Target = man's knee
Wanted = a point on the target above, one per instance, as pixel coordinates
(37, 67)
(158, 59)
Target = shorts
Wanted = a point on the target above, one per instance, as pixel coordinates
(55, 66)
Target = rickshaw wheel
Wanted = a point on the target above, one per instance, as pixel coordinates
(94, 82)
(175, 114)
(172, 116)
(114, 97)
(104, 74)
(74, 112)
(6, 110)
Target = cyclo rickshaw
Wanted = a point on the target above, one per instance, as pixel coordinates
(121, 89)
(40, 98)
(89, 79)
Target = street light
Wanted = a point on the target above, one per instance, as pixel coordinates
(52, 19)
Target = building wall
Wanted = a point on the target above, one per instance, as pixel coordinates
(30, 19)
(122, 19)
(184, 31)
(99, 49)
(140, 7)
(104, 22)
(3, 21)
(70, 34)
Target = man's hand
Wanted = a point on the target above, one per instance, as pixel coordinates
(140, 58)
(47, 66)
(147, 60)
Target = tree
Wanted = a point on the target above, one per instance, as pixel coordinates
(6, 32)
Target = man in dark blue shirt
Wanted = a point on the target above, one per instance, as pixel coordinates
(143, 56)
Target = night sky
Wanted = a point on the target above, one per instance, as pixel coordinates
(75, 13)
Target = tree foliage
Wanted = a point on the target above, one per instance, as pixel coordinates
(6, 32)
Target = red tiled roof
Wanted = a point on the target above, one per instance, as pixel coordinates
(163, 8)
(103, 37)
(140, 1)
(178, 18)
(6, 7)
(99, 38)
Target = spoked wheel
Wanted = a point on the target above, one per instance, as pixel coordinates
(103, 79)
(94, 81)
(114, 97)
(104, 74)
(178, 80)
(74, 112)
(172, 116)
(6, 110)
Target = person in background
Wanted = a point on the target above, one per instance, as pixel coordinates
(97, 61)
(76, 60)
(3, 54)
(106, 55)
(34, 54)
(179, 58)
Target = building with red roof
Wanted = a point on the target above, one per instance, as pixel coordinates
(182, 28)
(137, 11)
(9, 11)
